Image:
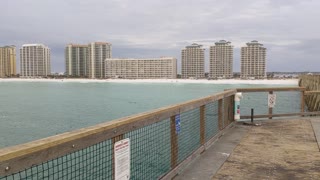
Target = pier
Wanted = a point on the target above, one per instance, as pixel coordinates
(165, 142)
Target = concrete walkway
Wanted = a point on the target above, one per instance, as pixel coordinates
(278, 149)
(283, 149)
(213, 158)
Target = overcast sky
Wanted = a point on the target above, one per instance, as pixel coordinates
(289, 29)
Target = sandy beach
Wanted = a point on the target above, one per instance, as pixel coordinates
(193, 81)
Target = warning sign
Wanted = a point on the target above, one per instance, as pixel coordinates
(271, 100)
(122, 159)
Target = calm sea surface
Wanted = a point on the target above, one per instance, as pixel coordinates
(34, 110)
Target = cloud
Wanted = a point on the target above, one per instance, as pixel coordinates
(151, 28)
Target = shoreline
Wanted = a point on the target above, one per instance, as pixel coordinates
(190, 81)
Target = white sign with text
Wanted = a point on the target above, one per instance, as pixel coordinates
(122, 159)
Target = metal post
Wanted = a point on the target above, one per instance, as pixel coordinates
(252, 115)
(220, 114)
(302, 101)
(174, 142)
(202, 124)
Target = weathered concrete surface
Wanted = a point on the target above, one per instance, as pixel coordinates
(283, 149)
(213, 158)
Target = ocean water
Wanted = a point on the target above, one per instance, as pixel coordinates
(35, 110)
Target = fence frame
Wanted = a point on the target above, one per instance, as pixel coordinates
(20, 157)
(270, 110)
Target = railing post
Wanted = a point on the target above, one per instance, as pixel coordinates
(174, 142)
(270, 108)
(202, 124)
(114, 140)
(226, 102)
(231, 109)
(220, 114)
(302, 102)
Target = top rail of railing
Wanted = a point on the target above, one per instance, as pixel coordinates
(39, 151)
(271, 89)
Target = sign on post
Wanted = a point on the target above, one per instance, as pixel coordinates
(271, 100)
(178, 124)
(122, 159)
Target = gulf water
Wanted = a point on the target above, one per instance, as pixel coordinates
(35, 110)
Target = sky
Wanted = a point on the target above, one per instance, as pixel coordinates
(289, 29)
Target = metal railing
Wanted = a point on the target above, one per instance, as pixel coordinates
(158, 148)
(290, 101)
(162, 141)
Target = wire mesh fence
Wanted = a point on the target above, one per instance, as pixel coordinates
(254, 100)
(152, 150)
(189, 136)
(286, 102)
(211, 120)
(93, 162)
(157, 148)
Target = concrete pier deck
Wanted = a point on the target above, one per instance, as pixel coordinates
(278, 149)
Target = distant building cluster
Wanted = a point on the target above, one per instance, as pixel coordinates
(94, 60)
(253, 61)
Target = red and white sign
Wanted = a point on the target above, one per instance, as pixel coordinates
(122, 159)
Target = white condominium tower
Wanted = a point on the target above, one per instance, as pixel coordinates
(149, 68)
(221, 60)
(76, 56)
(7, 61)
(34, 60)
(97, 54)
(192, 60)
(253, 61)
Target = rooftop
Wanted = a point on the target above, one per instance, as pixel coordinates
(194, 45)
(77, 45)
(28, 45)
(101, 43)
(254, 42)
(160, 58)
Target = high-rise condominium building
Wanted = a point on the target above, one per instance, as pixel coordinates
(253, 61)
(192, 60)
(151, 68)
(221, 60)
(76, 57)
(35, 60)
(97, 54)
(7, 61)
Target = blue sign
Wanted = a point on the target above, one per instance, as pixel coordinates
(178, 124)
